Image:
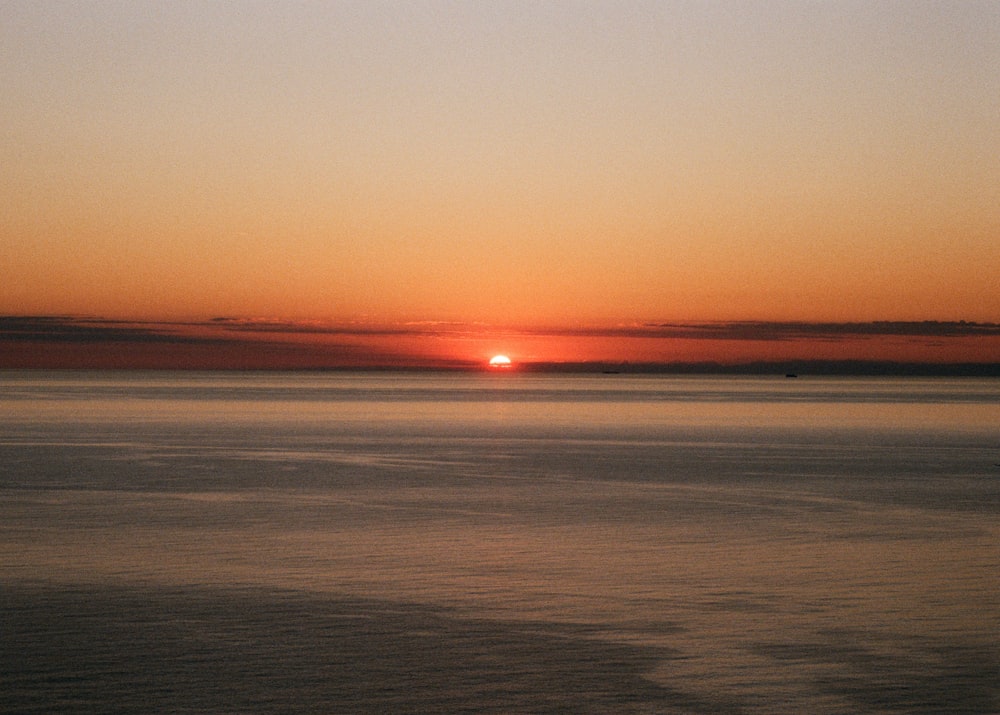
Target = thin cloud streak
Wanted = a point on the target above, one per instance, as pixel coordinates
(222, 330)
(91, 330)
(786, 331)
(69, 341)
(264, 343)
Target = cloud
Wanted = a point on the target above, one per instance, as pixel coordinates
(65, 329)
(278, 327)
(789, 331)
(262, 343)
(68, 341)
(224, 330)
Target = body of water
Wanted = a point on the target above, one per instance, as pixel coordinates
(382, 542)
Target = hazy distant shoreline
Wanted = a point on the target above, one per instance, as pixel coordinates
(805, 368)
(798, 368)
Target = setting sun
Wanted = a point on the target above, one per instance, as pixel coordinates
(501, 361)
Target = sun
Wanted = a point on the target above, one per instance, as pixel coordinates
(500, 361)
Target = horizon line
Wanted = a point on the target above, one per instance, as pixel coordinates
(873, 347)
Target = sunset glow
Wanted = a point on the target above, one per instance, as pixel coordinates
(419, 184)
(500, 361)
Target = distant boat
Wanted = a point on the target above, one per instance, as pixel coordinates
(790, 374)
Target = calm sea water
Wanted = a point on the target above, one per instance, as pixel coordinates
(501, 543)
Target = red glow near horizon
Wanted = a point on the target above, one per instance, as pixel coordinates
(56, 342)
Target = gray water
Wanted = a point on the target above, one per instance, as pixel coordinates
(348, 543)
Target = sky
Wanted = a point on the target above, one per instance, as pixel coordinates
(414, 182)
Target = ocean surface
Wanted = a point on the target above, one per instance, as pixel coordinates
(498, 543)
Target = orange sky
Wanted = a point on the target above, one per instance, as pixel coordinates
(558, 166)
